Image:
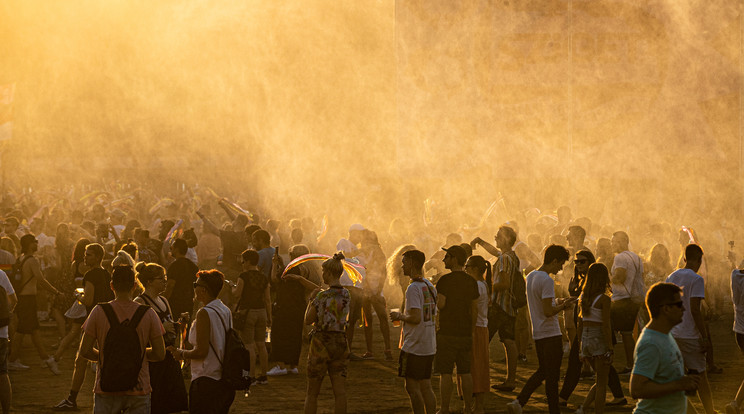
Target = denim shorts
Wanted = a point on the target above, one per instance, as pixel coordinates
(593, 342)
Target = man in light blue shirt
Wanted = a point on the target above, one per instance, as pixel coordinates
(658, 379)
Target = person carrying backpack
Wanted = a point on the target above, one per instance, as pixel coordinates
(122, 328)
(508, 295)
(209, 392)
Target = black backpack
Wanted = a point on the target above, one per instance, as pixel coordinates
(16, 275)
(122, 352)
(236, 366)
(518, 286)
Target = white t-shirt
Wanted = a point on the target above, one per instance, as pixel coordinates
(633, 286)
(541, 286)
(737, 297)
(420, 339)
(693, 286)
(482, 305)
(5, 283)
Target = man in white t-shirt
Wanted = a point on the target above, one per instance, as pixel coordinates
(628, 293)
(691, 335)
(418, 337)
(5, 390)
(546, 331)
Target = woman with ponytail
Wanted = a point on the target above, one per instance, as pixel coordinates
(328, 311)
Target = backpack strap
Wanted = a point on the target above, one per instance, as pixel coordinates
(138, 315)
(20, 269)
(210, 334)
(110, 314)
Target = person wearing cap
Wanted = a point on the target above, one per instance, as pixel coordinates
(28, 322)
(457, 301)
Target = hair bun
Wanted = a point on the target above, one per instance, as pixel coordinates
(140, 267)
(339, 256)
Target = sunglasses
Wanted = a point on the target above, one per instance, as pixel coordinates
(581, 261)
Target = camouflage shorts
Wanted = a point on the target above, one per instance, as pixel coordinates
(328, 353)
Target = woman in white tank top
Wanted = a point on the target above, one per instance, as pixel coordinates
(207, 393)
(596, 332)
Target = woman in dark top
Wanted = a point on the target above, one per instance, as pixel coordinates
(168, 390)
(288, 312)
(253, 312)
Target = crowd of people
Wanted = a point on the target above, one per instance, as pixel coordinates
(175, 274)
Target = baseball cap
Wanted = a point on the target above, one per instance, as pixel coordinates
(457, 252)
(28, 239)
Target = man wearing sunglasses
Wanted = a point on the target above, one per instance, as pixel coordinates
(691, 335)
(658, 378)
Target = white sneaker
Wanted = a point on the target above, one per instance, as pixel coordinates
(276, 371)
(52, 365)
(16, 365)
(732, 408)
(514, 407)
(293, 371)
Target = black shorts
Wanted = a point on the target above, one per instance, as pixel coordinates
(28, 322)
(624, 313)
(416, 367)
(500, 321)
(451, 351)
(3, 356)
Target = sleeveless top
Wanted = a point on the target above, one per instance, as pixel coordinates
(211, 366)
(596, 314)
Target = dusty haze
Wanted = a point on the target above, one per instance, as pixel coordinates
(625, 111)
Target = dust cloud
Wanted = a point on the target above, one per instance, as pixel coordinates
(628, 112)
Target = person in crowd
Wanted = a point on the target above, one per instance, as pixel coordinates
(149, 331)
(658, 266)
(355, 287)
(658, 380)
(181, 276)
(546, 330)
(691, 334)
(328, 313)
(6, 392)
(737, 299)
(234, 241)
(254, 306)
(260, 241)
(457, 295)
(168, 390)
(503, 314)
(209, 248)
(582, 260)
(288, 312)
(142, 238)
(26, 310)
(480, 270)
(65, 284)
(96, 289)
(627, 293)
(419, 343)
(372, 298)
(604, 252)
(207, 393)
(596, 332)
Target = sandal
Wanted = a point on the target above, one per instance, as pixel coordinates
(368, 355)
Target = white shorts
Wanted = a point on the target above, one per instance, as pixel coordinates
(692, 354)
